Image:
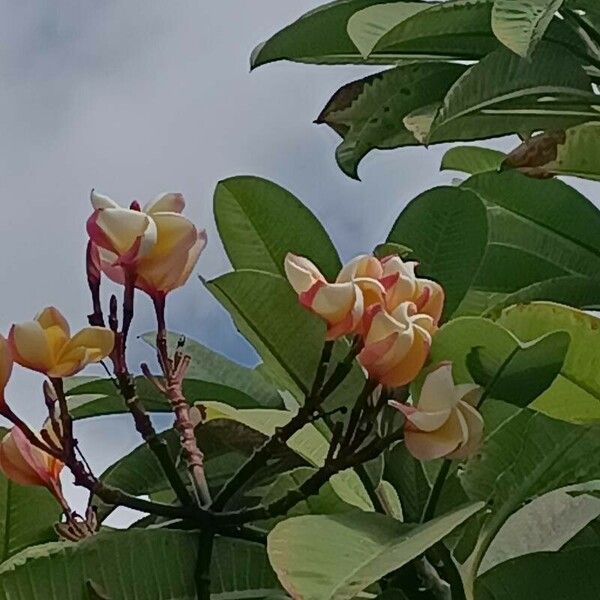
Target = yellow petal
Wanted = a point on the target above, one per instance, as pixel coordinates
(362, 266)
(169, 202)
(428, 421)
(29, 346)
(6, 363)
(52, 317)
(301, 273)
(475, 428)
(90, 345)
(438, 392)
(409, 367)
(334, 301)
(439, 443)
(435, 303)
(173, 231)
(124, 227)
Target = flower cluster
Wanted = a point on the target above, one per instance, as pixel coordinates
(46, 345)
(395, 313)
(153, 249)
(383, 301)
(155, 245)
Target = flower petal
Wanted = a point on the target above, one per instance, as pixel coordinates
(361, 266)
(301, 273)
(439, 443)
(100, 201)
(29, 346)
(475, 427)
(168, 202)
(438, 392)
(6, 364)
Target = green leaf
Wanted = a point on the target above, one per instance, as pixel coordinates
(373, 546)
(568, 575)
(472, 160)
(27, 516)
(546, 524)
(407, 475)
(309, 443)
(367, 26)
(209, 368)
(152, 557)
(524, 374)
(369, 113)
(224, 443)
(526, 457)
(141, 564)
(266, 311)
(260, 222)
(575, 395)
(460, 29)
(505, 93)
(521, 24)
(319, 36)
(325, 502)
(546, 227)
(391, 249)
(447, 230)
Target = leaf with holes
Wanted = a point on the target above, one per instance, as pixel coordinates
(521, 24)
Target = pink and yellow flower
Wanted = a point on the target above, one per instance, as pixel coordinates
(444, 423)
(6, 364)
(396, 343)
(46, 345)
(340, 304)
(26, 464)
(166, 253)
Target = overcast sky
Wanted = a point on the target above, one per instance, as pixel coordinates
(135, 97)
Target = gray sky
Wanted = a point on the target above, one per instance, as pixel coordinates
(137, 97)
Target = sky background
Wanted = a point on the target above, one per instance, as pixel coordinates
(137, 97)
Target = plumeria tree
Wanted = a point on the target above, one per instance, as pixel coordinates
(423, 422)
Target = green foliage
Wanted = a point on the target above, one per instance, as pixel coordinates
(534, 62)
(472, 160)
(568, 575)
(259, 223)
(159, 564)
(27, 516)
(374, 545)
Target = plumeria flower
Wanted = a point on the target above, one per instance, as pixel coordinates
(166, 257)
(444, 423)
(396, 343)
(6, 364)
(427, 295)
(126, 233)
(341, 304)
(26, 464)
(46, 345)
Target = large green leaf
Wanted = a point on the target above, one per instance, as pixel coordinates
(159, 564)
(353, 550)
(505, 93)
(370, 113)
(260, 222)
(526, 457)
(546, 524)
(319, 36)
(27, 516)
(447, 230)
(140, 564)
(472, 159)
(575, 395)
(226, 445)
(498, 344)
(460, 29)
(367, 26)
(523, 375)
(568, 575)
(547, 228)
(521, 24)
(310, 443)
(266, 311)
